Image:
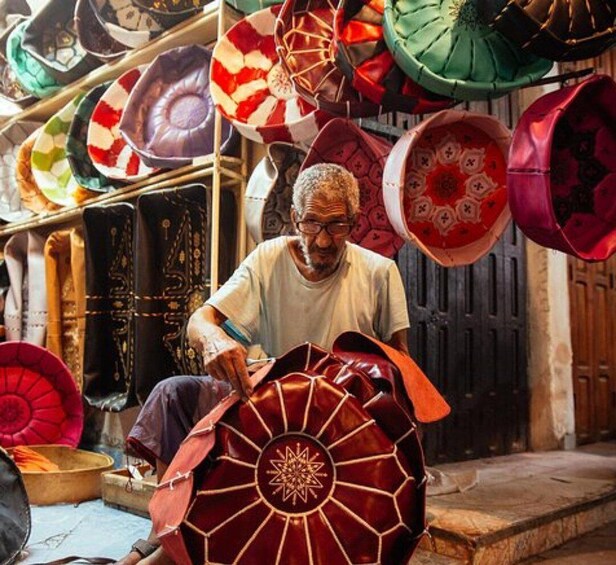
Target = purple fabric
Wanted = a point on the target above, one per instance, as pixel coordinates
(172, 409)
(169, 116)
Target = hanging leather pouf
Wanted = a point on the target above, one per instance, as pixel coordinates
(559, 30)
(562, 171)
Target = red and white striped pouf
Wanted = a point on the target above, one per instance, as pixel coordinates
(107, 148)
(251, 88)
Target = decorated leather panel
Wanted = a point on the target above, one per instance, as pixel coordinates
(446, 48)
(304, 42)
(10, 88)
(51, 37)
(39, 402)
(363, 57)
(560, 30)
(168, 119)
(269, 193)
(317, 475)
(253, 90)
(65, 277)
(363, 155)
(445, 186)
(562, 171)
(109, 350)
(171, 277)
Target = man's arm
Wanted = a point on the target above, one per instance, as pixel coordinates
(223, 357)
(399, 341)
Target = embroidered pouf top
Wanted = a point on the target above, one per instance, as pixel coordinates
(321, 465)
(168, 119)
(445, 186)
(93, 35)
(269, 192)
(446, 48)
(562, 170)
(39, 401)
(363, 155)
(560, 30)
(253, 90)
(363, 57)
(304, 42)
(11, 89)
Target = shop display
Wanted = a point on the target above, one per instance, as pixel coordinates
(363, 57)
(253, 90)
(11, 138)
(10, 88)
(562, 172)
(304, 36)
(25, 311)
(51, 38)
(338, 436)
(81, 165)
(364, 155)
(445, 186)
(39, 399)
(109, 348)
(126, 22)
(30, 194)
(65, 278)
(93, 36)
(269, 192)
(447, 49)
(15, 519)
(171, 273)
(559, 30)
(50, 167)
(110, 153)
(168, 119)
(32, 76)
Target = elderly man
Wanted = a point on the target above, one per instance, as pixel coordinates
(289, 290)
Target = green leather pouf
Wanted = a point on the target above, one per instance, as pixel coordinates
(28, 71)
(251, 6)
(445, 47)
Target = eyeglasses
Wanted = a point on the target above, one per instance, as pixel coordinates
(310, 227)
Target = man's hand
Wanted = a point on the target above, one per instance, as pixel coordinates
(225, 359)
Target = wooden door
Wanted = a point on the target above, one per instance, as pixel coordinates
(468, 334)
(593, 334)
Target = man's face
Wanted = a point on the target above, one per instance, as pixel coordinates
(322, 251)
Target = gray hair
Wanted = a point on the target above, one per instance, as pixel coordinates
(330, 181)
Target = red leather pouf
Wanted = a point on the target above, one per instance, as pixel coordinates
(39, 400)
(321, 465)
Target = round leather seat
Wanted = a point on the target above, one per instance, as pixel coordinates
(269, 192)
(445, 186)
(93, 35)
(562, 172)
(363, 155)
(304, 36)
(446, 48)
(168, 119)
(39, 401)
(560, 30)
(363, 57)
(253, 90)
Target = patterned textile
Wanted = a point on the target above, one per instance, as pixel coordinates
(109, 349)
(25, 312)
(65, 277)
(173, 246)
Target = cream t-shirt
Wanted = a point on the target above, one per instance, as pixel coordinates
(271, 303)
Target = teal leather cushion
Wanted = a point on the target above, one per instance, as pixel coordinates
(445, 47)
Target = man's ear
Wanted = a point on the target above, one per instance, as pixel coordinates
(293, 215)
